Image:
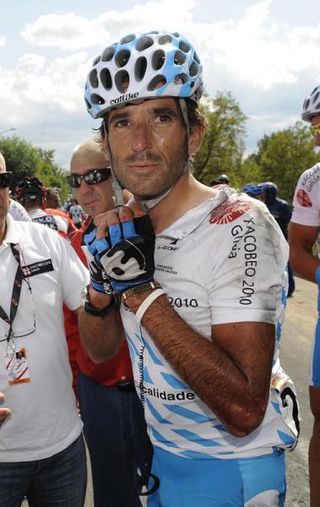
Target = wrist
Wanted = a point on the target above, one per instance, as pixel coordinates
(98, 299)
(97, 304)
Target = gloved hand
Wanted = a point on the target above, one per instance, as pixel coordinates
(127, 254)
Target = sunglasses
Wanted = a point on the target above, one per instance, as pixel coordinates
(315, 129)
(92, 177)
(5, 179)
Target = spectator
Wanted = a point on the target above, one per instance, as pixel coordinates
(223, 179)
(41, 445)
(114, 426)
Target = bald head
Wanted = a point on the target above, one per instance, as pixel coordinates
(2, 163)
(86, 157)
(88, 152)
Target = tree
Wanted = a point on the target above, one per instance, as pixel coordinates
(26, 160)
(284, 155)
(223, 144)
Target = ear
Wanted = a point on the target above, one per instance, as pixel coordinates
(195, 138)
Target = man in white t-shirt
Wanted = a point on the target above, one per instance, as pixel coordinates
(200, 278)
(42, 453)
(303, 233)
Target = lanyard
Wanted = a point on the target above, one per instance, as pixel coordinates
(15, 296)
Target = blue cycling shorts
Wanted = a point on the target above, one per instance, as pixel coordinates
(248, 482)
(315, 358)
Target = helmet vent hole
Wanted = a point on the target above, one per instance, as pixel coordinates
(122, 81)
(96, 60)
(140, 68)
(315, 98)
(89, 106)
(107, 55)
(196, 58)
(194, 69)
(127, 38)
(158, 59)
(176, 34)
(164, 39)
(156, 83)
(179, 58)
(122, 57)
(96, 99)
(184, 46)
(106, 80)
(144, 43)
(181, 79)
(93, 78)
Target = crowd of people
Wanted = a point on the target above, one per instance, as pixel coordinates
(146, 314)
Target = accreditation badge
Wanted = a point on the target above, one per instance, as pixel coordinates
(17, 368)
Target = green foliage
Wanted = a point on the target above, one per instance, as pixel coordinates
(223, 144)
(283, 156)
(26, 160)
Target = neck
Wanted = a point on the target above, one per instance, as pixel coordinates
(188, 193)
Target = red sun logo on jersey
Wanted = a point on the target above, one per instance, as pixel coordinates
(229, 211)
(303, 198)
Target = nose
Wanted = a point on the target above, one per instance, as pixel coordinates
(141, 139)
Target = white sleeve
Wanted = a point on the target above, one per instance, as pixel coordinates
(248, 279)
(306, 201)
(72, 273)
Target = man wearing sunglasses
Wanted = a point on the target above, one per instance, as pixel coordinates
(42, 453)
(111, 411)
(303, 233)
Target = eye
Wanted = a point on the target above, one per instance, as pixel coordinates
(163, 118)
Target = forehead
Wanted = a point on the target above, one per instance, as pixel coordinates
(147, 107)
(315, 120)
(83, 162)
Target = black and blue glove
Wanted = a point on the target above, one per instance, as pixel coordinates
(127, 254)
(98, 277)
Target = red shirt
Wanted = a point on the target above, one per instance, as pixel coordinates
(110, 372)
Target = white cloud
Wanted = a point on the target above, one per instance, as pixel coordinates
(38, 85)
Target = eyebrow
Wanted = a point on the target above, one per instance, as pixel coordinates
(156, 110)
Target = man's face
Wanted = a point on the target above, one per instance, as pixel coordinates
(4, 195)
(316, 121)
(147, 145)
(94, 199)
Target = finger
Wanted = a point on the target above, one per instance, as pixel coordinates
(137, 209)
(115, 234)
(103, 222)
(128, 229)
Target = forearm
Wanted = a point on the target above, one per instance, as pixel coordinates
(210, 372)
(101, 336)
(304, 263)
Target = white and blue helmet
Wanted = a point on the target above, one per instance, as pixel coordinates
(311, 105)
(151, 65)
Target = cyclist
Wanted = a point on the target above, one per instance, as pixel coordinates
(253, 190)
(303, 233)
(199, 275)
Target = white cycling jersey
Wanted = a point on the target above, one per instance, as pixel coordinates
(306, 211)
(306, 201)
(223, 261)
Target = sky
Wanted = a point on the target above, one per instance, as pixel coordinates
(265, 52)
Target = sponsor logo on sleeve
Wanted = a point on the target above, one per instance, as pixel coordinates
(229, 211)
